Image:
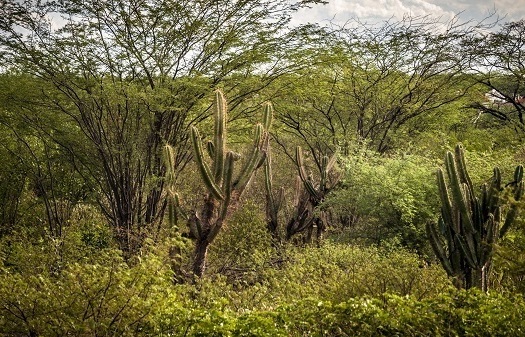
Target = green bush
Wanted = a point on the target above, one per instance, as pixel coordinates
(337, 272)
(243, 248)
(111, 299)
(116, 299)
(31, 250)
(453, 313)
(392, 198)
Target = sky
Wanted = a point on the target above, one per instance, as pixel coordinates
(377, 11)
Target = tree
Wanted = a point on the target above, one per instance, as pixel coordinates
(496, 62)
(37, 168)
(131, 76)
(373, 81)
(386, 199)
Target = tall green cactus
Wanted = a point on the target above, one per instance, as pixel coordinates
(224, 191)
(470, 226)
(274, 200)
(303, 214)
(316, 192)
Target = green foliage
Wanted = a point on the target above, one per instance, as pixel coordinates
(244, 249)
(100, 94)
(389, 198)
(126, 78)
(509, 256)
(85, 240)
(109, 298)
(449, 314)
(336, 272)
(334, 290)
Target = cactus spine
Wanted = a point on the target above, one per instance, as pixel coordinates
(470, 226)
(224, 190)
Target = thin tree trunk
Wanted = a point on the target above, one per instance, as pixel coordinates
(199, 261)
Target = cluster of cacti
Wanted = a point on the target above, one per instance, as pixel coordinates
(302, 217)
(314, 194)
(470, 225)
(223, 189)
(317, 193)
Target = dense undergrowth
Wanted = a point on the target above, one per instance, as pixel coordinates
(117, 300)
(337, 289)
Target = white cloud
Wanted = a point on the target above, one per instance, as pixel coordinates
(371, 11)
(380, 10)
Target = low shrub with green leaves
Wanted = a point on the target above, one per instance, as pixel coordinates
(327, 291)
(109, 298)
(337, 272)
(391, 198)
(244, 247)
(453, 313)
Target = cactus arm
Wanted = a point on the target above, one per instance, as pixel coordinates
(513, 211)
(246, 174)
(227, 182)
(300, 163)
(445, 198)
(462, 168)
(169, 163)
(273, 204)
(484, 199)
(268, 182)
(279, 200)
(518, 174)
(458, 192)
(477, 217)
(267, 116)
(262, 159)
(252, 162)
(492, 234)
(219, 136)
(211, 149)
(174, 207)
(302, 173)
(330, 164)
(324, 173)
(470, 257)
(203, 166)
(494, 190)
(438, 248)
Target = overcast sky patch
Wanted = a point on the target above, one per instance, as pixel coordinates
(376, 11)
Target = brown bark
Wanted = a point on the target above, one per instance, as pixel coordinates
(200, 253)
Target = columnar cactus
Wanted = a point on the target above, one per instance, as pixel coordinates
(274, 200)
(470, 225)
(224, 190)
(302, 217)
(316, 192)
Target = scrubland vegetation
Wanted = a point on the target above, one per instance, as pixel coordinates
(202, 168)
